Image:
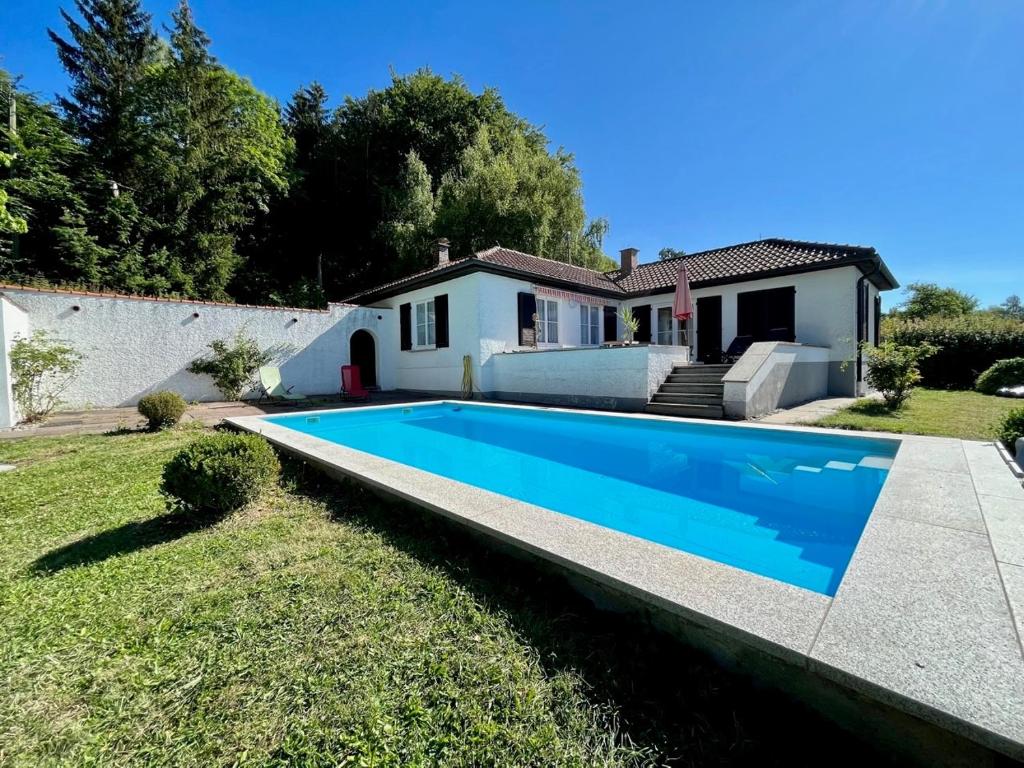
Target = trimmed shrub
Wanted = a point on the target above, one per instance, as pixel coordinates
(893, 370)
(966, 345)
(162, 409)
(219, 473)
(1012, 428)
(1005, 373)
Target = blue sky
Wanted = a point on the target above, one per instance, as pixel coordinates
(893, 124)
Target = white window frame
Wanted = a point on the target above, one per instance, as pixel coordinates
(427, 323)
(590, 325)
(545, 324)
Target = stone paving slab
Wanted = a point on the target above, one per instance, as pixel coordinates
(931, 496)
(921, 621)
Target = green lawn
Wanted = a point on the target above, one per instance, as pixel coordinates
(967, 415)
(324, 627)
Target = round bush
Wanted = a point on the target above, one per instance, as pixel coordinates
(1005, 373)
(1012, 428)
(162, 409)
(219, 473)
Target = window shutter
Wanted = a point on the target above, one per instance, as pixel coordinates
(405, 326)
(441, 321)
(878, 320)
(611, 324)
(527, 309)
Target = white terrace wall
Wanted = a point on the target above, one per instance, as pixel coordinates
(618, 378)
(134, 346)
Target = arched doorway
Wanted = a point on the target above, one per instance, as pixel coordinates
(363, 352)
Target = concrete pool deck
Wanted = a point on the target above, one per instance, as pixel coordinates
(927, 620)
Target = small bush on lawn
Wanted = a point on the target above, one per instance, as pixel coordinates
(162, 409)
(893, 371)
(966, 345)
(1005, 373)
(1012, 428)
(219, 473)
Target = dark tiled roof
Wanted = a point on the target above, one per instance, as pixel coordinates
(557, 270)
(746, 261)
(735, 262)
(499, 259)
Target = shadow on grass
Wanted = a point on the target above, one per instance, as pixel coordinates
(873, 408)
(670, 699)
(130, 537)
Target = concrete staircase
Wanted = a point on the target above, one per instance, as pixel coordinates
(694, 391)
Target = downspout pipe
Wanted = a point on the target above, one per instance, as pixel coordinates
(862, 325)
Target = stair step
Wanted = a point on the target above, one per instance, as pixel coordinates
(688, 411)
(687, 399)
(692, 387)
(694, 378)
(705, 368)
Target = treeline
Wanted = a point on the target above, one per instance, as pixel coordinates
(161, 171)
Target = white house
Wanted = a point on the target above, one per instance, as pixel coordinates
(517, 326)
(806, 306)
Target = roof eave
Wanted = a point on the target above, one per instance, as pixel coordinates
(868, 263)
(471, 265)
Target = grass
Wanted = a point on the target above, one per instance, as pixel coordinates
(325, 627)
(945, 413)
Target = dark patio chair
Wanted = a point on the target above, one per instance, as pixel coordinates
(736, 349)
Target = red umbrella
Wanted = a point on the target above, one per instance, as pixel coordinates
(682, 307)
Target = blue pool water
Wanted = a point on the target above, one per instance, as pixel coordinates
(787, 505)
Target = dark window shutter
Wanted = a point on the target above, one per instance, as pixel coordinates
(527, 309)
(878, 320)
(405, 329)
(611, 324)
(643, 316)
(441, 321)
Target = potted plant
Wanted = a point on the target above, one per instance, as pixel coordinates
(630, 324)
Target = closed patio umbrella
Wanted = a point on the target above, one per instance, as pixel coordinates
(682, 307)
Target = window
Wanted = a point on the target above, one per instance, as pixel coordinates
(665, 325)
(590, 324)
(670, 330)
(425, 324)
(547, 326)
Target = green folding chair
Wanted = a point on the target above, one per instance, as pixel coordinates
(273, 388)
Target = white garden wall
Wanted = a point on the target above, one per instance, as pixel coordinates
(133, 346)
(13, 324)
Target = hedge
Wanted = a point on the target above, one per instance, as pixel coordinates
(968, 345)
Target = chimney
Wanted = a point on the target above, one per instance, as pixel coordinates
(628, 259)
(442, 252)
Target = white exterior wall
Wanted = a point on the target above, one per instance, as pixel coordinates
(13, 324)
(825, 309)
(438, 370)
(483, 320)
(135, 346)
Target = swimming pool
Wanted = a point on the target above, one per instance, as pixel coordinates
(783, 504)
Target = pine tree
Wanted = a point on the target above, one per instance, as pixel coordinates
(106, 59)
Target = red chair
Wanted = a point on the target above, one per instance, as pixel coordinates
(351, 384)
